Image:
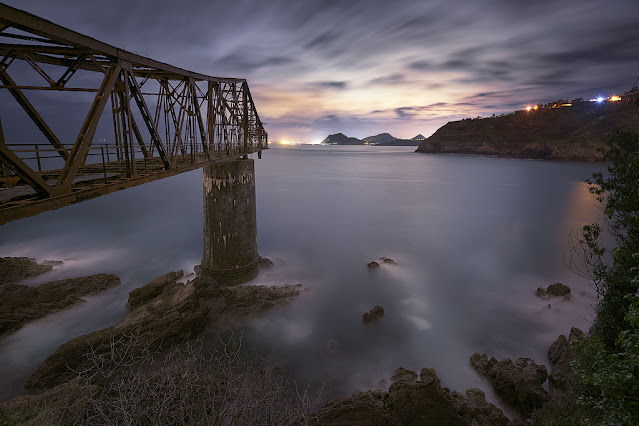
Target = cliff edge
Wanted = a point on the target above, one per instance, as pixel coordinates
(566, 134)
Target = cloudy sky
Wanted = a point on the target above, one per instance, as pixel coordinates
(366, 67)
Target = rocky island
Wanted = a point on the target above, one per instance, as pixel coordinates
(382, 139)
(574, 132)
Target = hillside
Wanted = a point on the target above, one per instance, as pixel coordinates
(379, 139)
(341, 139)
(570, 133)
(383, 139)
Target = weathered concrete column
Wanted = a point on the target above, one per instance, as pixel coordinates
(230, 228)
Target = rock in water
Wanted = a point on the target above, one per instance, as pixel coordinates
(373, 265)
(265, 262)
(373, 315)
(413, 400)
(172, 316)
(21, 303)
(558, 289)
(517, 383)
(388, 261)
(560, 355)
(14, 269)
(164, 312)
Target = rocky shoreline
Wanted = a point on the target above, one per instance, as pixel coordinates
(166, 313)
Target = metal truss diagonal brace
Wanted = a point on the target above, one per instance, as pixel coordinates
(150, 125)
(25, 172)
(85, 137)
(32, 113)
(200, 122)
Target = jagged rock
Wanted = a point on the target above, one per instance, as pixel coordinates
(388, 261)
(477, 410)
(374, 314)
(173, 316)
(558, 289)
(144, 294)
(373, 265)
(265, 262)
(21, 304)
(232, 306)
(165, 312)
(14, 269)
(517, 383)
(560, 355)
(413, 400)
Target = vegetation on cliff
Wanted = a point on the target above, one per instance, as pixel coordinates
(605, 385)
(575, 133)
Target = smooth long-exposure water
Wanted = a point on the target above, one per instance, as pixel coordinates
(473, 239)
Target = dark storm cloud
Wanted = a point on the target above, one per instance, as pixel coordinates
(331, 84)
(412, 111)
(252, 63)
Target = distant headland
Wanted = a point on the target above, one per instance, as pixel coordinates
(383, 139)
(562, 130)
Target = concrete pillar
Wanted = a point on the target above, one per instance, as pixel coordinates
(230, 228)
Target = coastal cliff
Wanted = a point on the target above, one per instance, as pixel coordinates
(565, 134)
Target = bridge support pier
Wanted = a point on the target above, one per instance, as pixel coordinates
(230, 228)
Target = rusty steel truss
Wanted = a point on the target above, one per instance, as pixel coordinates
(166, 120)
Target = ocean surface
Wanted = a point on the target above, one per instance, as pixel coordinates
(473, 238)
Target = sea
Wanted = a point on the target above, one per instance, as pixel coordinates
(472, 238)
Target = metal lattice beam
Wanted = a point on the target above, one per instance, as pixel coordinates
(198, 119)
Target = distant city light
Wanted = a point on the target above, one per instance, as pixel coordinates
(287, 142)
(614, 98)
(536, 107)
(600, 99)
(528, 108)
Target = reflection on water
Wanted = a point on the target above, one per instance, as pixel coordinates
(473, 238)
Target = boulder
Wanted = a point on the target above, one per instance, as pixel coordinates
(388, 261)
(373, 265)
(21, 304)
(556, 290)
(413, 399)
(373, 315)
(265, 262)
(517, 383)
(560, 355)
(13, 269)
(173, 316)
